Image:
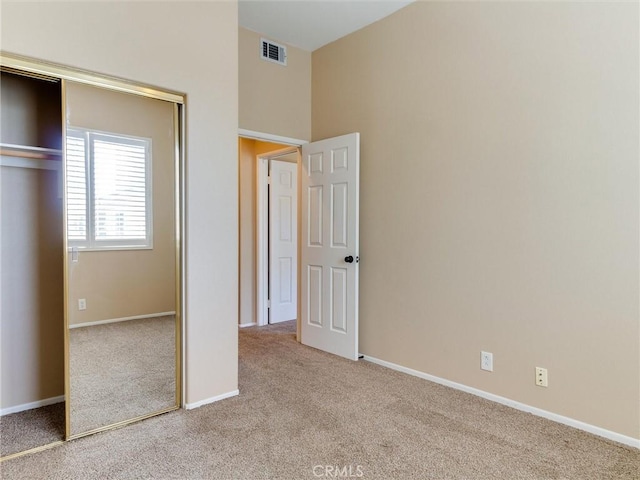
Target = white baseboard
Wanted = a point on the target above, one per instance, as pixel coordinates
(123, 319)
(571, 422)
(31, 405)
(245, 325)
(206, 401)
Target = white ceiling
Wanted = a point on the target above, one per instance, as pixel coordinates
(310, 24)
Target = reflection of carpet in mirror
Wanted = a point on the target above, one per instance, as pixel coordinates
(31, 428)
(120, 371)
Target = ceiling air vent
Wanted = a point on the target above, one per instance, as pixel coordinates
(273, 52)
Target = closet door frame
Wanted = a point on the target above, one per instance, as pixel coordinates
(43, 69)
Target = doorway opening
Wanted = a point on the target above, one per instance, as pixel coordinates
(268, 229)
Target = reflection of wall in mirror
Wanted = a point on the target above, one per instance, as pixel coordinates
(120, 284)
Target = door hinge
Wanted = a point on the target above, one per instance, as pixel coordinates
(268, 303)
(269, 180)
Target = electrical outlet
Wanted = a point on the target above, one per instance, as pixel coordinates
(82, 304)
(486, 361)
(542, 379)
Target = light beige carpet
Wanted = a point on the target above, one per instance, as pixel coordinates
(31, 428)
(302, 411)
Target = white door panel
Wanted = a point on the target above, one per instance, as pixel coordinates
(283, 246)
(330, 224)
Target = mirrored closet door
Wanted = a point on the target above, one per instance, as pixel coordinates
(121, 267)
(90, 312)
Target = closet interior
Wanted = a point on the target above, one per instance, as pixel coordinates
(32, 285)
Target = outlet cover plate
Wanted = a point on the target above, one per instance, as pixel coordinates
(486, 361)
(542, 379)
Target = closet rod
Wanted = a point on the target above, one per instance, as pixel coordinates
(27, 151)
(23, 156)
(38, 164)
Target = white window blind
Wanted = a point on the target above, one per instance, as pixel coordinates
(76, 189)
(110, 206)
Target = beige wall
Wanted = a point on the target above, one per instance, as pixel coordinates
(106, 37)
(274, 99)
(248, 149)
(499, 196)
(125, 283)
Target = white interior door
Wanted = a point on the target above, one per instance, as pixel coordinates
(283, 244)
(330, 248)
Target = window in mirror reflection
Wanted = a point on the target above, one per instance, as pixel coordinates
(108, 190)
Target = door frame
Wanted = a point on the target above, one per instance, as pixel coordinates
(261, 237)
(262, 231)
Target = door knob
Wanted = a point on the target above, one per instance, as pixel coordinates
(348, 259)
